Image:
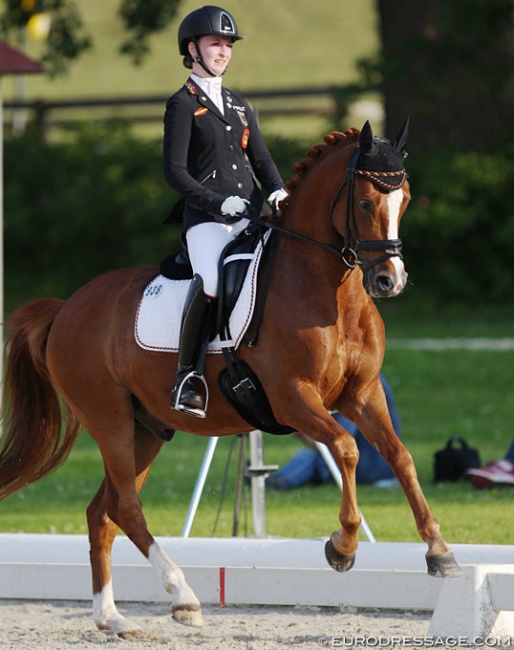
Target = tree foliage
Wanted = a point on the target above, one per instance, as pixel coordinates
(142, 18)
(449, 64)
(68, 36)
(96, 200)
(91, 202)
(76, 209)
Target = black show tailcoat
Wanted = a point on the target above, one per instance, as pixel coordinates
(209, 156)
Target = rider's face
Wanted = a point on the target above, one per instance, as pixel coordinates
(216, 52)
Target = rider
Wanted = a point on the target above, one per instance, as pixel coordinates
(215, 157)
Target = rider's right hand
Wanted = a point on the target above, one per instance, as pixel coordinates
(233, 206)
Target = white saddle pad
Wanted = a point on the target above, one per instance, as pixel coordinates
(159, 314)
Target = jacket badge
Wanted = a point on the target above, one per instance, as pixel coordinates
(242, 115)
(245, 137)
(201, 111)
(191, 88)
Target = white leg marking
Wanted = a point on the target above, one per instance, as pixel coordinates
(186, 608)
(107, 617)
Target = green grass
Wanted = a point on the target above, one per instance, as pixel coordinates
(412, 315)
(285, 44)
(439, 394)
(57, 504)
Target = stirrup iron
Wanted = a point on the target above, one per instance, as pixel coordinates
(177, 394)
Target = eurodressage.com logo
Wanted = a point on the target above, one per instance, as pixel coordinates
(415, 642)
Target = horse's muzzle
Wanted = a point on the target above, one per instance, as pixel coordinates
(386, 280)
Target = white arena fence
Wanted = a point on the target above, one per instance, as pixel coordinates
(240, 571)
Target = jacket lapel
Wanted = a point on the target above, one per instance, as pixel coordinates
(207, 103)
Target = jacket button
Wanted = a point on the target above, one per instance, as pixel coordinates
(240, 185)
(228, 127)
(234, 166)
(231, 147)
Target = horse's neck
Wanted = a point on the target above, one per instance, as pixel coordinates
(309, 211)
(299, 258)
(310, 278)
(315, 299)
(309, 283)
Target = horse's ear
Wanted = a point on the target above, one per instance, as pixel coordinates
(366, 138)
(400, 141)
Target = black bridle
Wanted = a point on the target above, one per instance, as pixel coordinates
(349, 253)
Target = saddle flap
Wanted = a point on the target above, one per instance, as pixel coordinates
(159, 313)
(233, 267)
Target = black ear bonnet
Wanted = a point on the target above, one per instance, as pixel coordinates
(381, 161)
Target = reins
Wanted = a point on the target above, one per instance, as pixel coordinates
(349, 252)
(274, 226)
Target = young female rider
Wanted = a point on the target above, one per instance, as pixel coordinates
(215, 157)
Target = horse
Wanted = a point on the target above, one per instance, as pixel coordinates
(75, 363)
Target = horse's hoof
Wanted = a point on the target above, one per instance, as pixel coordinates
(131, 634)
(443, 566)
(336, 560)
(188, 615)
(120, 626)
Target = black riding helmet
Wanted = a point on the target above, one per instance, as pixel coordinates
(202, 22)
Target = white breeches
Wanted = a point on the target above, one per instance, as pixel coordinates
(205, 243)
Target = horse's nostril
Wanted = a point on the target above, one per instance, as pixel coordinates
(385, 283)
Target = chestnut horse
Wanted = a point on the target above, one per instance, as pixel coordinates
(320, 347)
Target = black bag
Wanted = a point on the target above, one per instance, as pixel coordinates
(451, 463)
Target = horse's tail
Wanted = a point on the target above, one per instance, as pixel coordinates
(32, 441)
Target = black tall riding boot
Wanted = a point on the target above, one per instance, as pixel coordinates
(197, 322)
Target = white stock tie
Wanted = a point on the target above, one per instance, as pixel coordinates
(212, 87)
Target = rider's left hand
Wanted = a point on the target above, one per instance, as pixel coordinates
(276, 197)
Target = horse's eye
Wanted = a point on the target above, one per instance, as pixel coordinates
(367, 205)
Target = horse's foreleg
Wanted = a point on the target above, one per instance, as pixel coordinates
(311, 418)
(375, 423)
(439, 557)
(341, 548)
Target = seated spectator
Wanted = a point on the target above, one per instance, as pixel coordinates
(307, 466)
(498, 472)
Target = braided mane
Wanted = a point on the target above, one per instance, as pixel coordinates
(333, 139)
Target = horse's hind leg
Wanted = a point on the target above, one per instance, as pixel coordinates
(117, 505)
(102, 532)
